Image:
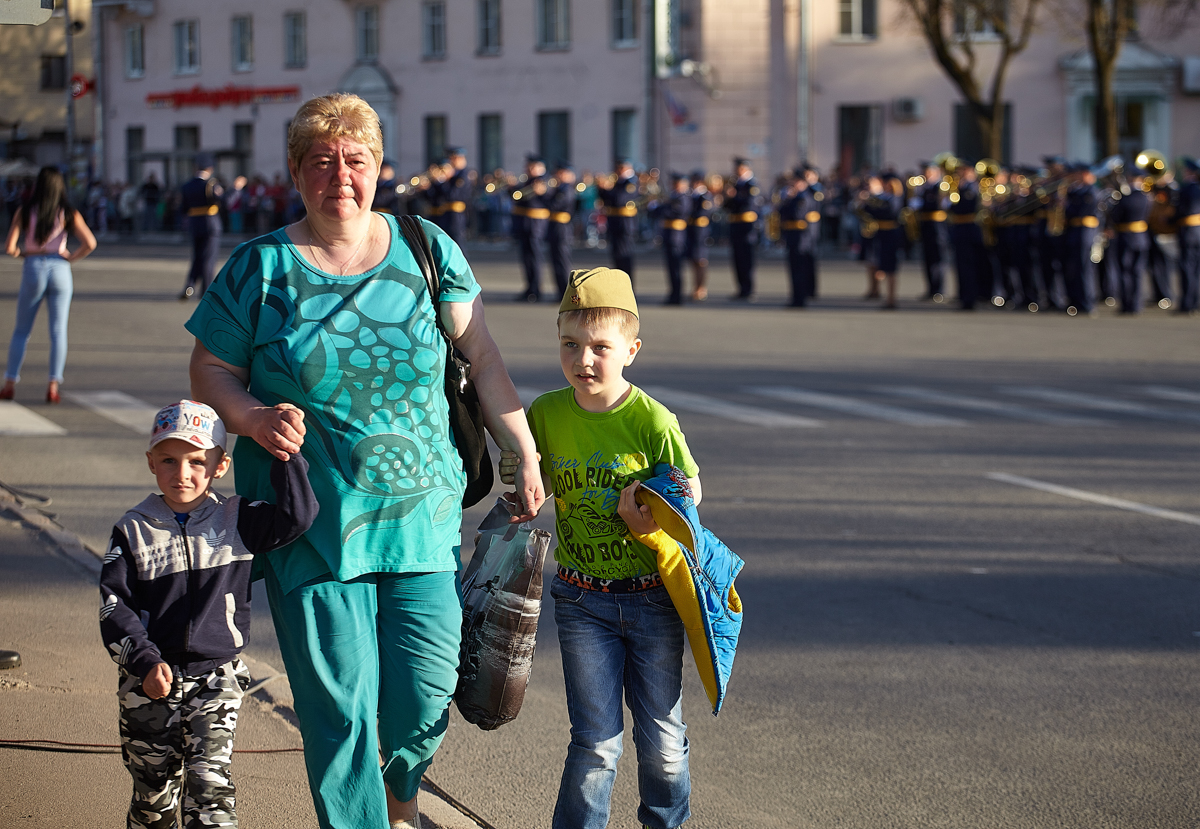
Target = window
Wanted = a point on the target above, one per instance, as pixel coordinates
(553, 24)
(554, 136)
(242, 32)
(187, 47)
(295, 40)
(243, 145)
(856, 19)
(624, 23)
(968, 142)
(135, 143)
(970, 21)
(435, 138)
(489, 27)
(433, 29)
(54, 72)
(366, 19)
(135, 51)
(187, 144)
(491, 142)
(624, 134)
(860, 138)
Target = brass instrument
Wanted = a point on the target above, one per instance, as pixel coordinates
(1056, 216)
(1153, 165)
(988, 169)
(908, 216)
(949, 164)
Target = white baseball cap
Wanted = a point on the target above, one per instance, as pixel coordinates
(191, 422)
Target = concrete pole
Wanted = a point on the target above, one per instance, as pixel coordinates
(69, 70)
(804, 84)
(98, 67)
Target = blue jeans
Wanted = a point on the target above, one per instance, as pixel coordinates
(42, 277)
(373, 663)
(613, 642)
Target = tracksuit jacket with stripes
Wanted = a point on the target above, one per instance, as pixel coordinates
(180, 594)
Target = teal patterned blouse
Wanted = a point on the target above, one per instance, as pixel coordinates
(361, 355)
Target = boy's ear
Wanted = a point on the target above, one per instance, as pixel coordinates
(222, 467)
(634, 348)
(150, 463)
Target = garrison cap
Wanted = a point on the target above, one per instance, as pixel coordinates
(204, 161)
(697, 175)
(455, 150)
(534, 158)
(740, 161)
(599, 288)
(563, 164)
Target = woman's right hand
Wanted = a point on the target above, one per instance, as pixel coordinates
(278, 429)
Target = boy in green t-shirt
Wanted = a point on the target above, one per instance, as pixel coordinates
(618, 631)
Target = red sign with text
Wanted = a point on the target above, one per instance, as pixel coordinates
(198, 96)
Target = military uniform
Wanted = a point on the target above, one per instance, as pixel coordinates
(530, 215)
(1083, 221)
(799, 224)
(200, 199)
(1187, 223)
(967, 239)
(621, 213)
(698, 232)
(1130, 250)
(455, 195)
(1015, 233)
(932, 222)
(741, 209)
(672, 216)
(560, 231)
(1158, 263)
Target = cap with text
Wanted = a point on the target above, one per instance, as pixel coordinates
(189, 421)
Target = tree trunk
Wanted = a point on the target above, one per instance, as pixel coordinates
(1107, 137)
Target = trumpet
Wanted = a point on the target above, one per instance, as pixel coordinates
(949, 164)
(1153, 166)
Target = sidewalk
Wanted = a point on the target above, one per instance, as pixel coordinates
(65, 691)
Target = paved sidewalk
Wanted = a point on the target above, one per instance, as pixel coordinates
(65, 691)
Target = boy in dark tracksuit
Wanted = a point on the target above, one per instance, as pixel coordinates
(175, 610)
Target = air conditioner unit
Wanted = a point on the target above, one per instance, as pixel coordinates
(1191, 76)
(907, 110)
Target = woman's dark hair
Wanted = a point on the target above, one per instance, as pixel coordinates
(48, 199)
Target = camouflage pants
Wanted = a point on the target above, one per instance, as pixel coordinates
(182, 745)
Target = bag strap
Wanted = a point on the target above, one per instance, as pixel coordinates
(418, 243)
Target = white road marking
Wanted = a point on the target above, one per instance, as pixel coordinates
(689, 402)
(1095, 498)
(994, 406)
(16, 420)
(118, 407)
(1171, 393)
(1092, 401)
(853, 406)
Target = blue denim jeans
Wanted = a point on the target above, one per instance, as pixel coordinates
(610, 643)
(45, 277)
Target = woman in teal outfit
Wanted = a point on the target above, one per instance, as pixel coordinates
(320, 338)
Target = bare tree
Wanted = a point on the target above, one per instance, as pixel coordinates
(956, 31)
(1108, 25)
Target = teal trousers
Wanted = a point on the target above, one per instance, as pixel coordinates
(373, 665)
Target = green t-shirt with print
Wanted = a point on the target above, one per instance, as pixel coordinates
(589, 458)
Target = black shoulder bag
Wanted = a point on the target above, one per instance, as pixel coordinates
(466, 413)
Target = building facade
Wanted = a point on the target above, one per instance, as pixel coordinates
(35, 86)
(679, 84)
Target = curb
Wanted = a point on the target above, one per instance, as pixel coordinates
(438, 809)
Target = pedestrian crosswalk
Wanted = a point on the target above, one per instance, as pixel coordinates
(784, 407)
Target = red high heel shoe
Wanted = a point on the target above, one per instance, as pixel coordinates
(8, 392)
(52, 396)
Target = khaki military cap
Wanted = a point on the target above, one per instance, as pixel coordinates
(599, 288)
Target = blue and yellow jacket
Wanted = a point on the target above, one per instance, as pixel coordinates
(698, 571)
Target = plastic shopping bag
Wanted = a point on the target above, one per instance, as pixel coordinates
(502, 597)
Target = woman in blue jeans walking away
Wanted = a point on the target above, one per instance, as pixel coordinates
(41, 226)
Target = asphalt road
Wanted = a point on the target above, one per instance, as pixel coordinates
(924, 645)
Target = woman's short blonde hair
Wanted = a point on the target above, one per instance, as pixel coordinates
(330, 117)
